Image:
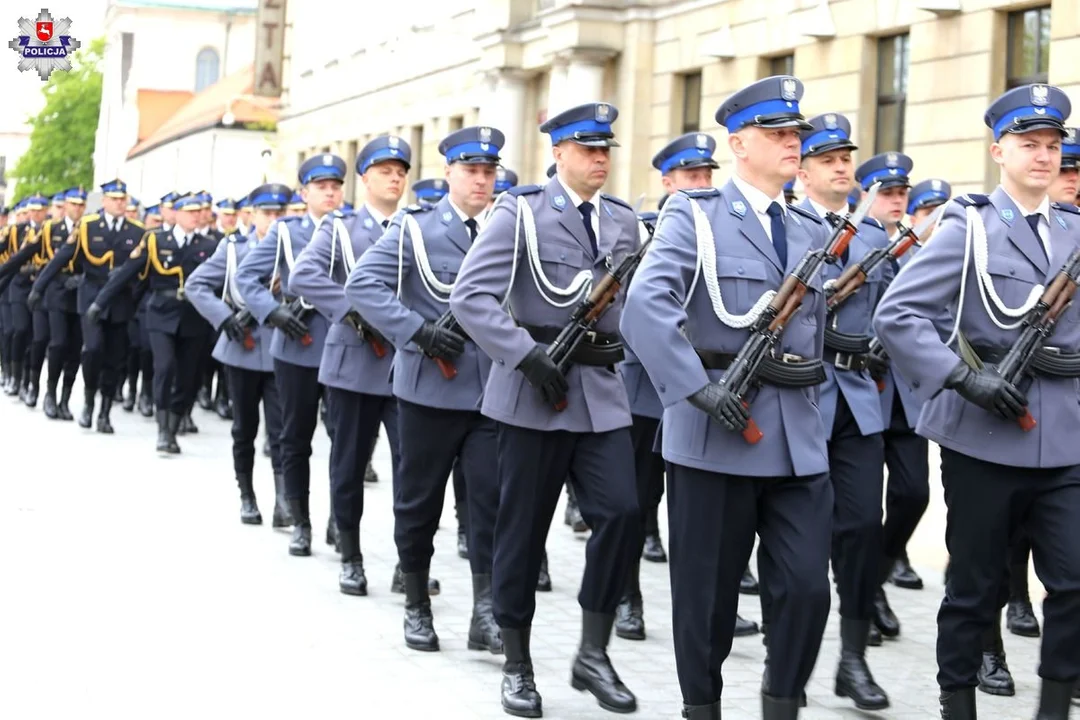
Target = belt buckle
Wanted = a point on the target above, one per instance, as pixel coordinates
(1051, 349)
(591, 336)
(790, 358)
(843, 361)
(179, 293)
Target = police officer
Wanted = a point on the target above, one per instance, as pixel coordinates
(297, 206)
(906, 454)
(226, 216)
(243, 215)
(1020, 479)
(164, 260)
(575, 234)
(299, 333)
(24, 256)
(430, 191)
(849, 403)
(439, 377)
(60, 302)
(132, 211)
(789, 192)
(686, 336)
(356, 362)
(211, 289)
(168, 214)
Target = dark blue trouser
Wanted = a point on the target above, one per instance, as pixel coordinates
(355, 418)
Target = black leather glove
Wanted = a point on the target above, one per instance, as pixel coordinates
(232, 329)
(542, 373)
(878, 366)
(719, 403)
(439, 342)
(283, 319)
(71, 282)
(93, 313)
(33, 300)
(988, 390)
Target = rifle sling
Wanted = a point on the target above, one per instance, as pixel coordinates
(789, 373)
(598, 349)
(1047, 361)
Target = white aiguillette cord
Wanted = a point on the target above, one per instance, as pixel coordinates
(285, 248)
(228, 289)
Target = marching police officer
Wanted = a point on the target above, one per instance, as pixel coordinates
(24, 255)
(356, 362)
(299, 333)
(244, 350)
(401, 286)
(997, 477)
(849, 403)
(164, 260)
(430, 191)
(686, 336)
(575, 233)
(60, 302)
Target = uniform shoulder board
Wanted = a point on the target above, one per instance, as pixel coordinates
(340, 213)
(1066, 207)
(519, 190)
(292, 219)
(233, 237)
(872, 223)
(616, 201)
(87, 219)
(413, 209)
(137, 223)
(805, 213)
(973, 200)
(701, 192)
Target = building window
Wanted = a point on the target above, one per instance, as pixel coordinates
(207, 68)
(1029, 47)
(456, 123)
(892, 75)
(782, 65)
(691, 102)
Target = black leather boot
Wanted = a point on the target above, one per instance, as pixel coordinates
(14, 385)
(48, 405)
(592, 670)
(958, 705)
(773, 708)
(332, 534)
(31, 395)
(300, 544)
(654, 548)
(903, 575)
(202, 398)
(370, 476)
(62, 408)
(1054, 700)
(702, 712)
(146, 404)
(543, 578)
(744, 627)
(118, 393)
(1020, 617)
(249, 510)
(221, 399)
(748, 585)
(162, 431)
(853, 678)
(282, 517)
(174, 426)
(189, 425)
(766, 687)
(572, 515)
(86, 417)
(419, 624)
(104, 425)
(630, 614)
(884, 618)
(130, 397)
(397, 583)
(519, 696)
(461, 513)
(351, 580)
(994, 676)
(483, 632)
(874, 639)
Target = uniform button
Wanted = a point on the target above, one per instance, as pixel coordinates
(915, 384)
(501, 361)
(445, 265)
(562, 256)
(740, 271)
(662, 387)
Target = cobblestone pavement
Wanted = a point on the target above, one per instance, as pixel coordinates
(133, 591)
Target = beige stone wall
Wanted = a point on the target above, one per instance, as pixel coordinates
(634, 55)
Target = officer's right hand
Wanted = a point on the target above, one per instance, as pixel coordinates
(543, 374)
(878, 366)
(33, 300)
(719, 403)
(232, 329)
(439, 342)
(93, 313)
(71, 282)
(988, 390)
(283, 319)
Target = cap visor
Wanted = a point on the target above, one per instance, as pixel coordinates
(380, 161)
(829, 147)
(595, 142)
(479, 160)
(1070, 161)
(115, 194)
(890, 182)
(783, 122)
(1037, 124)
(324, 176)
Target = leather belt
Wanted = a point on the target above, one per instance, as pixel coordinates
(173, 293)
(1048, 361)
(846, 352)
(598, 349)
(846, 361)
(789, 371)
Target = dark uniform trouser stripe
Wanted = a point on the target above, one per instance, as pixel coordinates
(249, 388)
(533, 466)
(712, 521)
(299, 390)
(356, 418)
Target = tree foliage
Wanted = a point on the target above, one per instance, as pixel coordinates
(61, 152)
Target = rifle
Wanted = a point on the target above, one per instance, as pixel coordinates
(366, 332)
(447, 322)
(589, 311)
(855, 275)
(297, 308)
(765, 333)
(1039, 324)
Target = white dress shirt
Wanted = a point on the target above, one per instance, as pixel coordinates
(576, 201)
(760, 202)
(1044, 219)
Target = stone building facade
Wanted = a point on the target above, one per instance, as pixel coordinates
(912, 75)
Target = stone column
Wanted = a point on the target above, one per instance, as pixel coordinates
(557, 91)
(504, 108)
(584, 77)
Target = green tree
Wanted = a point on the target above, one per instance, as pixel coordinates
(61, 152)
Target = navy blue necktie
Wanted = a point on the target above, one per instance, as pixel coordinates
(779, 232)
(471, 225)
(586, 210)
